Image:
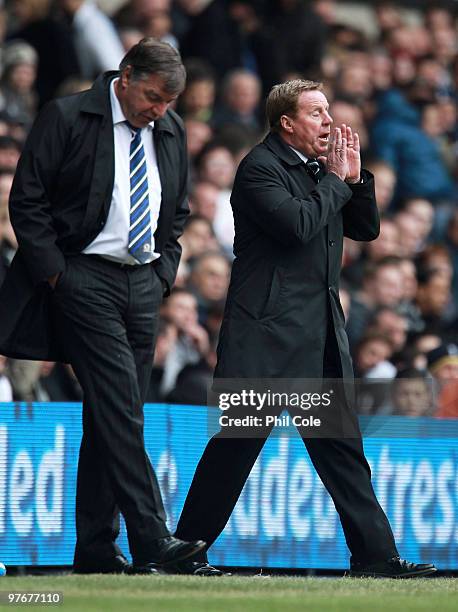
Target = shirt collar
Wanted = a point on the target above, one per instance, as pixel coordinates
(301, 155)
(116, 110)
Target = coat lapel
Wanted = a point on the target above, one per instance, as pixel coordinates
(98, 102)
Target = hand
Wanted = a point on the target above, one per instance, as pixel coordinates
(336, 161)
(52, 280)
(353, 155)
(199, 337)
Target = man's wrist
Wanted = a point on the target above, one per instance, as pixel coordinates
(356, 181)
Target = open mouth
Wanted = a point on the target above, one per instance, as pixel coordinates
(324, 139)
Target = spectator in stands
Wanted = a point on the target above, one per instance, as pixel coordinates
(388, 322)
(10, 150)
(197, 238)
(398, 139)
(346, 111)
(192, 342)
(386, 245)
(216, 165)
(167, 335)
(209, 282)
(411, 394)
(373, 370)
(422, 210)
(452, 245)
(8, 242)
(17, 95)
(385, 182)
(443, 365)
(407, 307)
(372, 355)
(241, 92)
(52, 40)
(6, 390)
(433, 296)
(198, 135)
(410, 232)
(382, 286)
(23, 376)
(97, 44)
(57, 383)
(203, 200)
(198, 98)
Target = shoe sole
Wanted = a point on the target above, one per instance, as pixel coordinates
(417, 574)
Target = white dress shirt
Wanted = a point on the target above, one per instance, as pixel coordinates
(112, 242)
(301, 155)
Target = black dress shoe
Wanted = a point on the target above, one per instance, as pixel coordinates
(114, 565)
(147, 568)
(392, 568)
(194, 568)
(168, 550)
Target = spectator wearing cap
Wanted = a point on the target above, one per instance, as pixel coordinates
(443, 365)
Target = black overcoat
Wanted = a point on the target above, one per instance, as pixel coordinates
(60, 200)
(284, 289)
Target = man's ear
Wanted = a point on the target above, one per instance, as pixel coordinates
(126, 75)
(286, 124)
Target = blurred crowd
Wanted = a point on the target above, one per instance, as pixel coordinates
(390, 70)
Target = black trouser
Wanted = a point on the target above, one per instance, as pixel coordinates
(340, 463)
(107, 317)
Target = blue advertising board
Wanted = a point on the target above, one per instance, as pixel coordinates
(284, 517)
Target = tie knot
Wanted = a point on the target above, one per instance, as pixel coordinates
(314, 168)
(134, 130)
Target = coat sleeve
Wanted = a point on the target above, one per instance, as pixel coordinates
(167, 265)
(29, 204)
(260, 192)
(360, 215)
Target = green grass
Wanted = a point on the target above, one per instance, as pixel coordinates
(239, 594)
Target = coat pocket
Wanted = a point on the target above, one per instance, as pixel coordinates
(271, 306)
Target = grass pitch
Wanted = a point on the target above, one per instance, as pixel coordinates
(237, 594)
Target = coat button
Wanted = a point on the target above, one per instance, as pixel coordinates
(329, 288)
(332, 242)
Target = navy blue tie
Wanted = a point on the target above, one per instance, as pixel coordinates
(140, 220)
(314, 169)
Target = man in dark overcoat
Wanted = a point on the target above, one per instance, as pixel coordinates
(98, 203)
(295, 196)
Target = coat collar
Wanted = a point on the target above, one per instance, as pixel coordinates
(278, 146)
(97, 101)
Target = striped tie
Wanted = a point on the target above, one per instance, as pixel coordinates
(140, 220)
